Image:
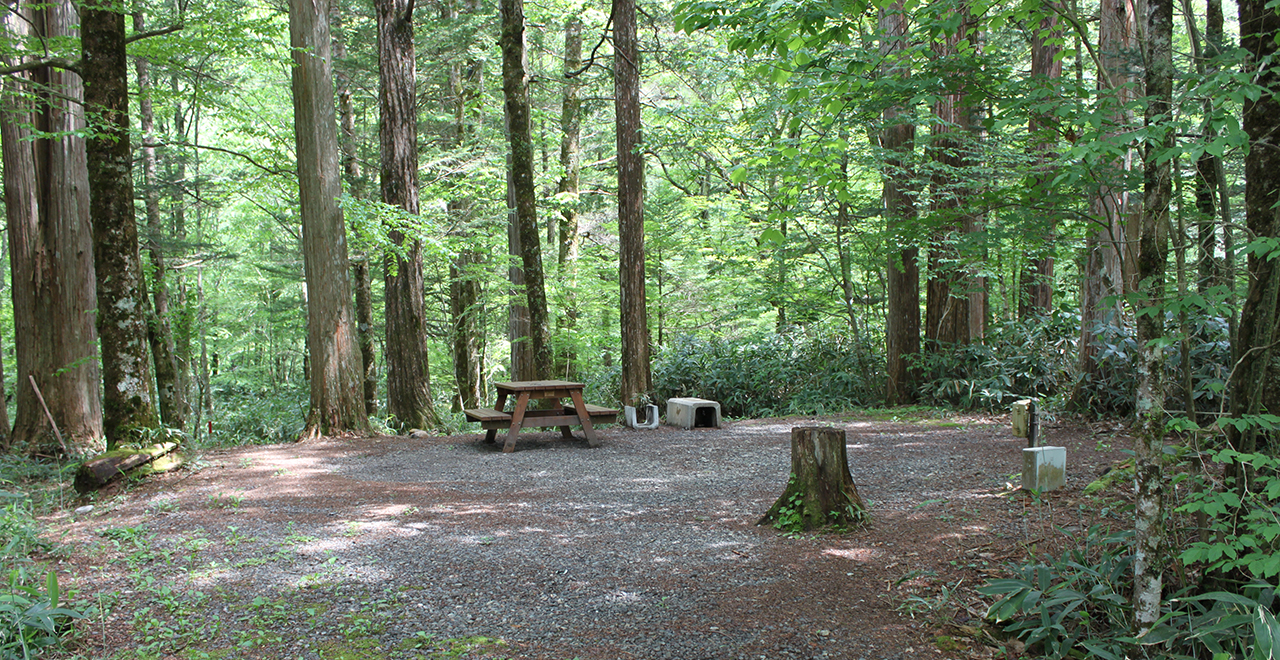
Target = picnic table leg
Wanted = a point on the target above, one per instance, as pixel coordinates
(517, 420)
(492, 434)
(566, 432)
(593, 440)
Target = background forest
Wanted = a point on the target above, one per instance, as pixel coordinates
(828, 205)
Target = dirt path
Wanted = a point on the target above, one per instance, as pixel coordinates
(645, 547)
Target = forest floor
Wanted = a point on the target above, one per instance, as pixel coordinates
(645, 547)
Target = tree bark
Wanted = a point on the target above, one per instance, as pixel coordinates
(1254, 377)
(897, 138)
(1153, 252)
(820, 491)
(636, 381)
(515, 90)
(169, 391)
(1046, 69)
(337, 404)
(50, 242)
(1210, 268)
(466, 277)
(568, 189)
(409, 398)
(1105, 274)
(354, 178)
(123, 306)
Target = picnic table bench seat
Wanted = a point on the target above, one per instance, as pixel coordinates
(564, 416)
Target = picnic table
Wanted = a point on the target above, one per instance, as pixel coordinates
(561, 414)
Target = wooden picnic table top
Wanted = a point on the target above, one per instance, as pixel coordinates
(535, 385)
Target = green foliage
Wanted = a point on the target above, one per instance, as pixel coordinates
(257, 415)
(32, 615)
(1071, 605)
(1078, 606)
(790, 515)
(1018, 359)
(774, 374)
(1244, 522)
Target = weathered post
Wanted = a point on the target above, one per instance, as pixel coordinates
(821, 491)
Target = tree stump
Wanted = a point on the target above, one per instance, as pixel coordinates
(821, 491)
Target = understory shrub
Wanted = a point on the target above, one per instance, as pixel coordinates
(246, 414)
(775, 374)
(32, 617)
(1080, 606)
(1113, 388)
(1017, 359)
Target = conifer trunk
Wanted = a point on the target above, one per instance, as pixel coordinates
(902, 323)
(337, 404)
(46, 193)
(1046, 69)
(636, 381)
(409, 399)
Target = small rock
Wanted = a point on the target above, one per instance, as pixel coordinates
(824, 633)
(80, 511)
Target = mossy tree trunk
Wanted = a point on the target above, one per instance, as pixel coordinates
(821, 491)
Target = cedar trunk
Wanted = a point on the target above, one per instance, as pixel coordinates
(337, 405)
(353, 177)
(466, 271)
(1105, 273)
(897, 138)
(820, 491)
(1046, 68)
(515, 90)
(636, 378)
(567, 189)
(50, 243)
(169, 391)
(127, 403)
(409, 398)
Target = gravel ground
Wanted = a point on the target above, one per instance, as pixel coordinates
(645, 547)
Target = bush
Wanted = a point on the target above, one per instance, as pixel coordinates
(31, 618)
(774, 374)
(1018, 359)
(1080, 606)
(1113, 388)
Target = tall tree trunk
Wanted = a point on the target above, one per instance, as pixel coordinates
(1254, 377)
(122, 298)
(466, 78)
(1153, 253)
(1210, 269)
(636, 379)
(354, 179)
(897, 138)
(571, 164)
(1105, 276)
(408, 376)
(50, 243)
(1046, 69)
(184, 322)
(170, 394)
(515, 89)
(337, 404)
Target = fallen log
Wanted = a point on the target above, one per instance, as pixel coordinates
(108, 466)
